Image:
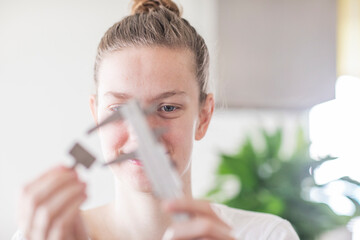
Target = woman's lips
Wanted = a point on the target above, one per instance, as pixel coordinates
(136, 162)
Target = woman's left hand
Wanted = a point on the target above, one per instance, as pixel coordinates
(202, 224)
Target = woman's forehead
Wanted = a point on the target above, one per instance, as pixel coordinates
(148, 62)
(147, 70)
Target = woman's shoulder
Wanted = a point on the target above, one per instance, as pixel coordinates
(255, 225)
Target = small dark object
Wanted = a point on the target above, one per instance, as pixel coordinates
(116, 116)
(81, 156)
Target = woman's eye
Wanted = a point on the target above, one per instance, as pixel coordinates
(114, 108)
(168, 108)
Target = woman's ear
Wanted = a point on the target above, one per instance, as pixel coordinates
(93, 107)
(205, 114)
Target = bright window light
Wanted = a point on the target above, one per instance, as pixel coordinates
(335, 130)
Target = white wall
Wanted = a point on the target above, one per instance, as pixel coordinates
(47, 50)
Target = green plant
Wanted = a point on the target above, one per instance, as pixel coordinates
(271, 184)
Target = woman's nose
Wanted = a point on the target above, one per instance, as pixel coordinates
(158, 127)
(132, 140)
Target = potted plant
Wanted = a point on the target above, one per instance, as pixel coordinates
(272, 184)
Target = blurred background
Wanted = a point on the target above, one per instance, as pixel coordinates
(285, 135)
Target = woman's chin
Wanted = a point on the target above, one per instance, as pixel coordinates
(133, 175)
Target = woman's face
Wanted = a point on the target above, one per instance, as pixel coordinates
(161, 76)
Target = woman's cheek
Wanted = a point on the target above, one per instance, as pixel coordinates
(180, 139)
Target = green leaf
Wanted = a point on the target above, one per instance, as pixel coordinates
(350, 180)
(273, 143)
(274, 185)
(316, 163)
(357, 205)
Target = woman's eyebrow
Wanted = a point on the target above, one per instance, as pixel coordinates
(168, 94)
(118, 95)
(125, 96)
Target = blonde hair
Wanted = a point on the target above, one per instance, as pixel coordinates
(156, 23)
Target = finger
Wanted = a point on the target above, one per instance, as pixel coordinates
(194, 207)
(43, 191)
(198, 228)
(50, 210)
(44, 175)
(38, 190)
(52, 184)
(63, 226)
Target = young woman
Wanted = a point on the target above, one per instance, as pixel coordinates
(157, 57)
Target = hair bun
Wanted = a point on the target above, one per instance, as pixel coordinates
(145, 6)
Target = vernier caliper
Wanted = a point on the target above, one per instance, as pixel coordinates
(163, 176)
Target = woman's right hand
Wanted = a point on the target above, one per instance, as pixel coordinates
(49, 206)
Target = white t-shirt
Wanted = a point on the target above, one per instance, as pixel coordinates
(249, 225)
